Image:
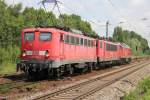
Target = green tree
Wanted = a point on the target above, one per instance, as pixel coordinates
(138, 44)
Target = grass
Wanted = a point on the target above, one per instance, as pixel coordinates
(5, 88)
(7, 68)
(142, 92)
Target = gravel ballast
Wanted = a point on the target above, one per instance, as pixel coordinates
(117, 90)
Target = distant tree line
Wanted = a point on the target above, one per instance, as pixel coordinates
(138, 44)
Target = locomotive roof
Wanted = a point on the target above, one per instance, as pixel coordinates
(124, 45)
(65, 30)
(56, 29)
(111, 42)
(35, 29)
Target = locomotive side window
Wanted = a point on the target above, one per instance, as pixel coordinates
(111, 47)
(89, 43)
(66, 38)
(93, 43)
(72, 39)
(77, 41)
(107, 46)
(81, 41)
(101, 44)
(45, 36)
(114, 48)
(85, 42)
(29, 36)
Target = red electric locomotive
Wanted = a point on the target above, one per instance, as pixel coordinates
(53, 52)
(112, 52)
(125, 53)
(107, 51)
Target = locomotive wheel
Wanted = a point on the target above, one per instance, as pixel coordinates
(85, 69)
(90, 67)
(29, 75)
(71, 70)
(50, 73)
(103, 65)
(96, 66)
(57, 73)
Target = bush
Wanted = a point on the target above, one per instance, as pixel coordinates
(141, 93)
(7, 68)
(8, 59)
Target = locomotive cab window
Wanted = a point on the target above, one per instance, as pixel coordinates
(45, 36)
(29, 36)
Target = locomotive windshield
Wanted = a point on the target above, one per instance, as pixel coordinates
(29, 36)
(45, 36)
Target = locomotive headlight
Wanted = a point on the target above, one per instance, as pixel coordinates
(47, 53)
(24, 53)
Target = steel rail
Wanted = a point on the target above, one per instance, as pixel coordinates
(98, 88)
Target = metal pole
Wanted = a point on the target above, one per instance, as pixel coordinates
(61, 17)
(13, 2)
(107, 24)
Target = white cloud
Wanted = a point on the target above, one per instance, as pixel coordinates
(137, 2)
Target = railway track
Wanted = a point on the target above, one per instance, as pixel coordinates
(15, 84)
(87, 88)
(19, 83)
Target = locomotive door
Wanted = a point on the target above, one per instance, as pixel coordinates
(62, 48)
(120, 51)
(104, 52)
(101, 50)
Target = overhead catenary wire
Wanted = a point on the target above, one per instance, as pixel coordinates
(120, 14)
(66, 6)
(55, 5)
(51, 11)
(88, 20)
(61, 17)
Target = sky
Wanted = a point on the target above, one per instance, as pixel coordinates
(133, 15)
